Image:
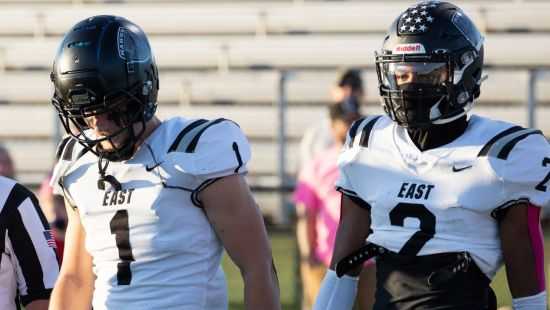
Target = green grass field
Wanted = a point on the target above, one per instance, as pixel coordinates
(284, 249)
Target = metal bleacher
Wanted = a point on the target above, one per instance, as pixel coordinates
(258, 88)
(225, 58)
(291, 51)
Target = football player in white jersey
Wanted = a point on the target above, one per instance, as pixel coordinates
(151, 203)
(443, 198)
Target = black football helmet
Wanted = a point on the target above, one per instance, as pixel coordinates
(105, 65)
(430, 66)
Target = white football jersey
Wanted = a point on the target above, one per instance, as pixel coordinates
(444, 199)
(151, 242)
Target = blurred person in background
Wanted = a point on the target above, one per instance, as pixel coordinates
(349, 92)
(443, 197)
(151, 204)
(7, 167)
(318, 213)
(28, 262)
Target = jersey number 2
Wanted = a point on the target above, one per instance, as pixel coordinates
(121, 230)
(427, 225)
(541, 187)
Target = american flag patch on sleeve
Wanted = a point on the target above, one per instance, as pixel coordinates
(49, 238)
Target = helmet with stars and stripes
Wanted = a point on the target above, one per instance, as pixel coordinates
(430, 65)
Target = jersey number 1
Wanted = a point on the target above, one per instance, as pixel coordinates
(427, 225)
(121, 230)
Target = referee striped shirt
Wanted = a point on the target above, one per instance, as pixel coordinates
(28, 261)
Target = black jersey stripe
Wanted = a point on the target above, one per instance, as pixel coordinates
(353, 130)
(193, 144)
(365, 133)
(69, 146)
(21, 241)
(238, 155)
(485, 150)
(185, 130)
(61, 147)
(506, 149)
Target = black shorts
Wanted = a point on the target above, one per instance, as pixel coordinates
(402, 283)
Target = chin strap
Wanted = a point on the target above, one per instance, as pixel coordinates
(127, 151)
(102, 165)
(124, 153)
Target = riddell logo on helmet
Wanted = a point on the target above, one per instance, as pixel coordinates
(409, 48)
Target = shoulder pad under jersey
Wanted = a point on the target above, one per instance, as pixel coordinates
(211, 148)
(68, 151)
(357, 138)
(360, 130)
(520, 157)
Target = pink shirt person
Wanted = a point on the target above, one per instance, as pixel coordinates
(315, 190)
